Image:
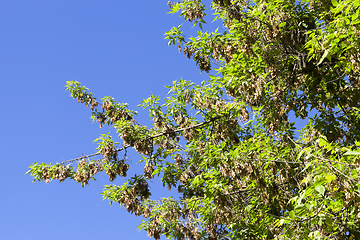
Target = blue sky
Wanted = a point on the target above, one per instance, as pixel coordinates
(114, 47)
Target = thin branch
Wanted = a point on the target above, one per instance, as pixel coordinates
(186, 128)
(92, 155)
(152, 137)
(324, 159)
(268, 160)
(351, 179)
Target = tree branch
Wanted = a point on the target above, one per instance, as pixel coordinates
(152, 137)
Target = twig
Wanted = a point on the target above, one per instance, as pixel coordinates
(324, 159)
(92, 155)
(186, 128)
(152, 137)
(351, 179)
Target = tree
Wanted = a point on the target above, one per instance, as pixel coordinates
(229, 145)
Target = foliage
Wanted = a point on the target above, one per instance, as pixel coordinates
(244, 172)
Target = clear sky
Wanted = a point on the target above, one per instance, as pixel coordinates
(114, 47)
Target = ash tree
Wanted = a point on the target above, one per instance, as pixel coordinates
(227, 146)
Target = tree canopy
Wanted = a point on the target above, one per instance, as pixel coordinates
(229, 146)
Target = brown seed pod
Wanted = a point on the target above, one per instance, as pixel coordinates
(178, 160)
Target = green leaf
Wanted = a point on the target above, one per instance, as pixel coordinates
(330, 178)
(301, 153)
(282, 24)
(300, 208)
(355, 16)
(329, 221)
(352, 153)
(323, 57)
(320, 189)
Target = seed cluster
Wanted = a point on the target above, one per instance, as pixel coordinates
(116, 168)
(85, 170)
(62, 173)
(203, 62)
(222, 3)
(109, 152)
(188, 52)
(131, 198)
(59, 172)
(224, 50)
(113, 113)
(148, 171)
(88, 99)
(171, 217)
(144, 146)
(178, 160)
(45, 175)
(184, 122)
(110, 114)
(194, 12)
(158, 121)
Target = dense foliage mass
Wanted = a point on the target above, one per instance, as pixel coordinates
(229, 146)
